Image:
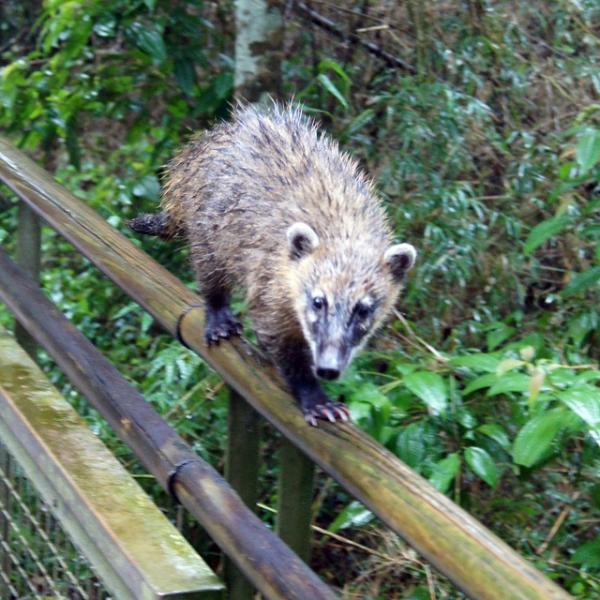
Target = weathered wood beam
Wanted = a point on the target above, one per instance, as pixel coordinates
(134, 548)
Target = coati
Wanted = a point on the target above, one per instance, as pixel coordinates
(272, 206)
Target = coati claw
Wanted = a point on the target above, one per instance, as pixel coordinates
(310, 419)
(331, 411)
(342, 412)
(220, 325)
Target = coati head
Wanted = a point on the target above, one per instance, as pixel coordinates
(342, 291)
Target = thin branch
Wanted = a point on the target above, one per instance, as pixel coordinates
(331, 27)
(438, 356)
(557, 524)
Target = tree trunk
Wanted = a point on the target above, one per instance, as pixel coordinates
(258, 50)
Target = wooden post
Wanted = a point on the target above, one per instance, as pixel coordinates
(296, 482)
(241, 471)
(28, 257)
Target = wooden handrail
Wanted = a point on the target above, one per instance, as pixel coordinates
(78, 475)
(476, 560)
(265, 560)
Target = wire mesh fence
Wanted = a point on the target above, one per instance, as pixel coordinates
(37, 558)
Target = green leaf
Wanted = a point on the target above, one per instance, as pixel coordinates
(329, 64)
(148, 39)
(544, 231)
(581, 281)
(429, 387)
(354, 515)
(360, 121)
(588, 554)
(510, 382)
(587, 151)
(411, 445)
(477, 362)
(484, 381)
(499, 334)
(533, 442)
(444, 472)
(496, 433)
(584, 401)
(369, 393)
(185, 75)
(482, 464)
(332, 89)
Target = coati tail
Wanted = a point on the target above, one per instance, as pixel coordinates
(153, 224)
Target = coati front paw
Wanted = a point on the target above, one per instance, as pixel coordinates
(319, 406)
(220, 325)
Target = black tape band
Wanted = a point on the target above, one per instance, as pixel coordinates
(180, 321)
(172, 479)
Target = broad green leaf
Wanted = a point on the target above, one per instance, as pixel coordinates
(332, 89)
(498, 335)
(354, 515)
(185, 75)
(588, 554)
(496, 433)
(411, 445)
(445, 471)
(368, 393)
(591, 375)
(582, 325)
(587, 151)
(581, 281)
(148, 39)
(511, 382)
(484, 381)
(466, 418)
(535, 438)
(482, 464)
(429, 387)
(360, 412)
(544, 231)
(477, 362)
(584, 401)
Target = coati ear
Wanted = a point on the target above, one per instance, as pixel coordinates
(400, 258)
(302, 240)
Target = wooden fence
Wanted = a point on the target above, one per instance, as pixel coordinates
(477, 561)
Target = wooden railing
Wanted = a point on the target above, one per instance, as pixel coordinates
(77, 476)
(476, 560)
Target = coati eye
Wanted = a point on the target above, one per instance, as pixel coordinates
(318, 302)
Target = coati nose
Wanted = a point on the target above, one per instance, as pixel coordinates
(328, 373)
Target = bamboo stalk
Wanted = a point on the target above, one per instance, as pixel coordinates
(478, 562)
